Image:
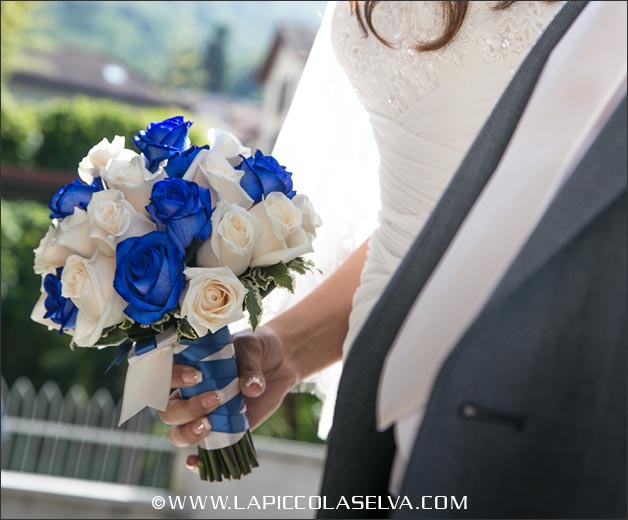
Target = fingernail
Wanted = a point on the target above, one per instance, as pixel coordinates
(254, 380)
(209, 401)
(201, 427)
(192, 376)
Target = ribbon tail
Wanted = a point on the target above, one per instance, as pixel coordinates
(147, 383)
(123, 351)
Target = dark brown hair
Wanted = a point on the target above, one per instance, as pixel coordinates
(454, 13)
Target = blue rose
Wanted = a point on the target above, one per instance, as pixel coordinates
(70, 196)
(163, 140)
(263, 175)
(149, 276)
(182, 209)
(60, 310)
(179, 164)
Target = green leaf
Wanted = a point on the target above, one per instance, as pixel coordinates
(127, 324)
(165, 323)
(280, 276)
(302, 266)
(185, 330)
(114, 336)
(253, 303)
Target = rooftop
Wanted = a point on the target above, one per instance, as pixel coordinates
(89, 73)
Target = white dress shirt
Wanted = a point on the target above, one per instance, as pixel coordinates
(581, 84)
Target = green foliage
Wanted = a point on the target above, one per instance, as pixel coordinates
(297, 418)
(261, 281)
(185, 330)
(58, 134)
(20, 135)
(14, 18)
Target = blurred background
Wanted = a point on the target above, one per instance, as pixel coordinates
(72, 73)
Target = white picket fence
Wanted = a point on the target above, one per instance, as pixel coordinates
(63, 456)
(77, 436)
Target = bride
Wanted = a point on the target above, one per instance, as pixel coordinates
(428, 75)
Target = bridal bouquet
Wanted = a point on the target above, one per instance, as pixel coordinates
(158, 252)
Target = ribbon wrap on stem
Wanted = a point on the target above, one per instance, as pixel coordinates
(150, 369)
(214, 356)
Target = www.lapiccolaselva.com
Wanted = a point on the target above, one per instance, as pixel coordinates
(297, 502)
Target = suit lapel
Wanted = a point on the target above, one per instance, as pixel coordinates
(597, 181)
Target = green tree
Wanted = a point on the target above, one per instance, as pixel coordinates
(186, 70)
(215, 60)
(13, 21)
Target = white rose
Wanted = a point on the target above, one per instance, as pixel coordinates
(39, 311)
(94, 163)
(89, 284)
(213, 298)
(73, 234)
(127, 172)
(49, 254)
(227, 145)
(113, 219)
(311, 220)
(234, 234)
(281, 236)
(212, 171)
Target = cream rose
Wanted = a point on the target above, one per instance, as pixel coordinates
(49, 254)
(227, 145)
(213, 298)
(232, 241)
(89, 284)
(113, 219)
(64, 238)
(39, 311)
(281, 236)
(311, 220)
(211, 170)
(73, 234)
(127, 172)
(94, 163)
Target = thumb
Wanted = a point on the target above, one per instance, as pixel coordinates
(249, 356)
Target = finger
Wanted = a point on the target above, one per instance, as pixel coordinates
(249, 356)
(183, 411)
(258, 411)
(191, 462)
(183, 436)
(183, 376)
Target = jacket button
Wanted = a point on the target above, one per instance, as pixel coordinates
(469, 411)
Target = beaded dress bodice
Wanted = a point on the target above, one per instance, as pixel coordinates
(389, 80)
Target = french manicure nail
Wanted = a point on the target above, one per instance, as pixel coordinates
(191, 376)
(209, 401)
(254, 380)
(201, 427)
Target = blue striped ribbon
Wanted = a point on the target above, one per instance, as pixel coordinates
(228, 417)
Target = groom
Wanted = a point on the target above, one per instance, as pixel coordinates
(518, 286)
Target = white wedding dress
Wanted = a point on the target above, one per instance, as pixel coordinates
(424, 108)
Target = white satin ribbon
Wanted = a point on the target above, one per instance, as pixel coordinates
(148, 377)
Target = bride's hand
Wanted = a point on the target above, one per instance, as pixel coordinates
(267, 373)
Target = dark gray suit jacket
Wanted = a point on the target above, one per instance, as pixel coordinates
(528, 414)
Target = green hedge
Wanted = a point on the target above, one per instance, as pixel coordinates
(58, 134)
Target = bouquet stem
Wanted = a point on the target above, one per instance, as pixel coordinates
(229, 463)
